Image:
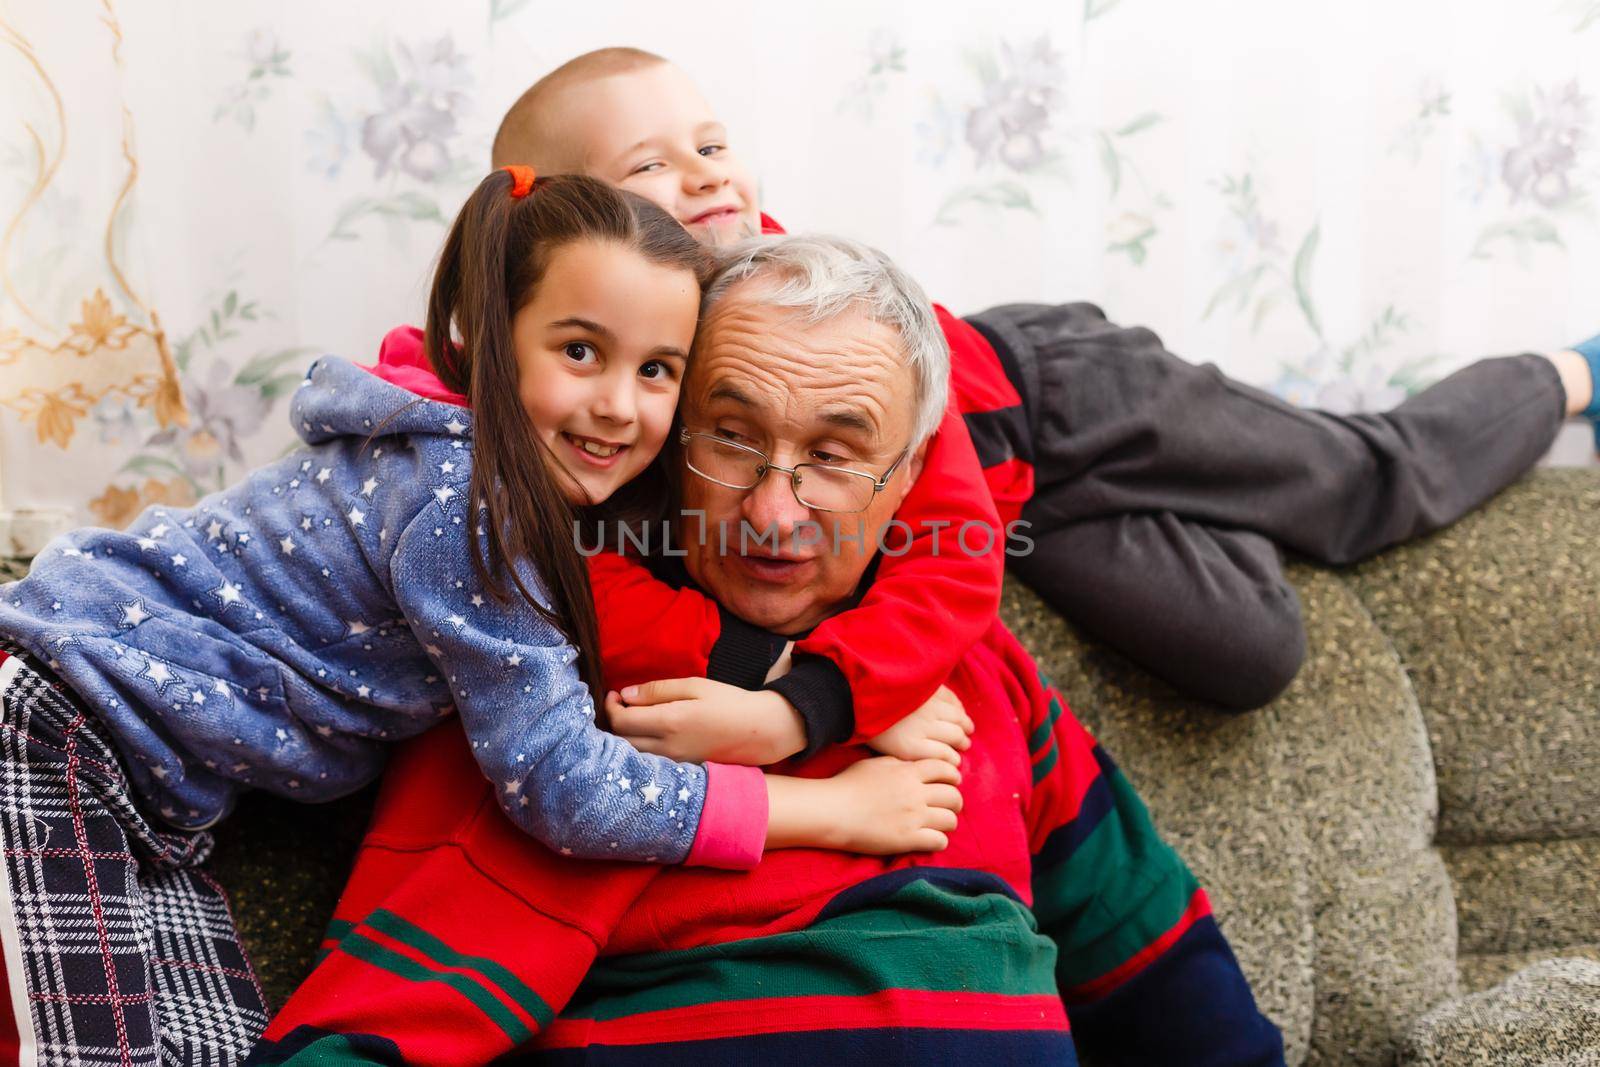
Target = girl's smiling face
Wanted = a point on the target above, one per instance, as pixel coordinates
(601, 352)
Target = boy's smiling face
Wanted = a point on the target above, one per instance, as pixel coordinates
(651, 132)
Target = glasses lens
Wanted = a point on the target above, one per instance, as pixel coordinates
(830, 489)
(723, 462)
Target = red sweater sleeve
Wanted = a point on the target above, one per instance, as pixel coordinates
(648, 630)
(929, 603)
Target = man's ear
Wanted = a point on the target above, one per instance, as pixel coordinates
(914, 464)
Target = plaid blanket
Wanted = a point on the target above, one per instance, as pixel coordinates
(117, 948)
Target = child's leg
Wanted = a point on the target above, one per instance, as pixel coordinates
(1203, 608)
(94, 936)
(1122, 425)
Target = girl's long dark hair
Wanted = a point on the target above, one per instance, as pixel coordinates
(493, 260)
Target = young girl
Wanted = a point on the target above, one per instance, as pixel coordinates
(415, 556)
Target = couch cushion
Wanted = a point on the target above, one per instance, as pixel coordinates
(1497, 620)
(1544, 1016)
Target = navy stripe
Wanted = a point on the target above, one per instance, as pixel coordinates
(881, 888)
(1097, 803)
(1000, 435)
(1191, 1006)
(991, 1048)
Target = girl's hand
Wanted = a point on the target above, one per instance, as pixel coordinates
(695, 719)
(940, 729)
(886, 806)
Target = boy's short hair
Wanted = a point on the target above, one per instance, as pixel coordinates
(527, 134)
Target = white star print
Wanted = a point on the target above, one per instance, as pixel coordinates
(281, 734)
(433, 650)
(455, 620)
(369, 486)
(624, 784)
(159, 530)
(513, 787)
(651, 793)
(325, 730)
(357, 517)
(514, 660)
(477, 601)
(566, 851)
(356, 627)
(683, 795)
(133, 614)
(180, 560)
(71, 552)
(228, 594)
(455, 425)
(148, 544)
(287, 545)
(383, 535)
(244, 539)
(324, 474)
(157, 672)
(198, 697)
(214, 530)
(363, 691)
(305, 466)
(220, 687)
(158, 771)
(447, 467)
(444, 493)
(305, 522)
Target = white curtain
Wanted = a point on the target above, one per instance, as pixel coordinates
(1340, 202)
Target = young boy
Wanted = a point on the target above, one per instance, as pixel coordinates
(1158, 492)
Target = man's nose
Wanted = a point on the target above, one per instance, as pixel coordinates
(771, 506)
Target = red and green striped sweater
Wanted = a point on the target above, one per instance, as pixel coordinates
(459, 940)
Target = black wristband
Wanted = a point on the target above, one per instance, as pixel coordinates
(820, 693)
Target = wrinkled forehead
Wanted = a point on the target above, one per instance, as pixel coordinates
(778, 367)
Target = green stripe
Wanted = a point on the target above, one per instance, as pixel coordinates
(494, 973)
(1044, 766)
(334, 1050)
(924, 937)
(1122, 888)
(363, 948)
(1047, 725)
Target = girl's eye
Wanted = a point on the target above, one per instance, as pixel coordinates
(648, 167)
(656, 371)
(579, 352)
(712, 149)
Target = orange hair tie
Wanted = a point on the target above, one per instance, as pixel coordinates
(522, 179)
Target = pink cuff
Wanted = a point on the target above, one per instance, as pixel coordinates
(733, 820)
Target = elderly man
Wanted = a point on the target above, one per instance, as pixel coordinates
(459, 940)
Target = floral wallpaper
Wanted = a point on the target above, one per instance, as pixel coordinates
(1340, 205)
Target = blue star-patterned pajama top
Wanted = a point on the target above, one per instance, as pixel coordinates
(282, 633)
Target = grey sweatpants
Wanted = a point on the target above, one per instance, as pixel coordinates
(1163, 489)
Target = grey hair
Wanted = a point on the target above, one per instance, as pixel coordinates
(821, 277)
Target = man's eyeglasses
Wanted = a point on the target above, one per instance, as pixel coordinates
(818, 486)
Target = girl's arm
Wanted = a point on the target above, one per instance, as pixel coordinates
(530, 720)
(582, 791)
